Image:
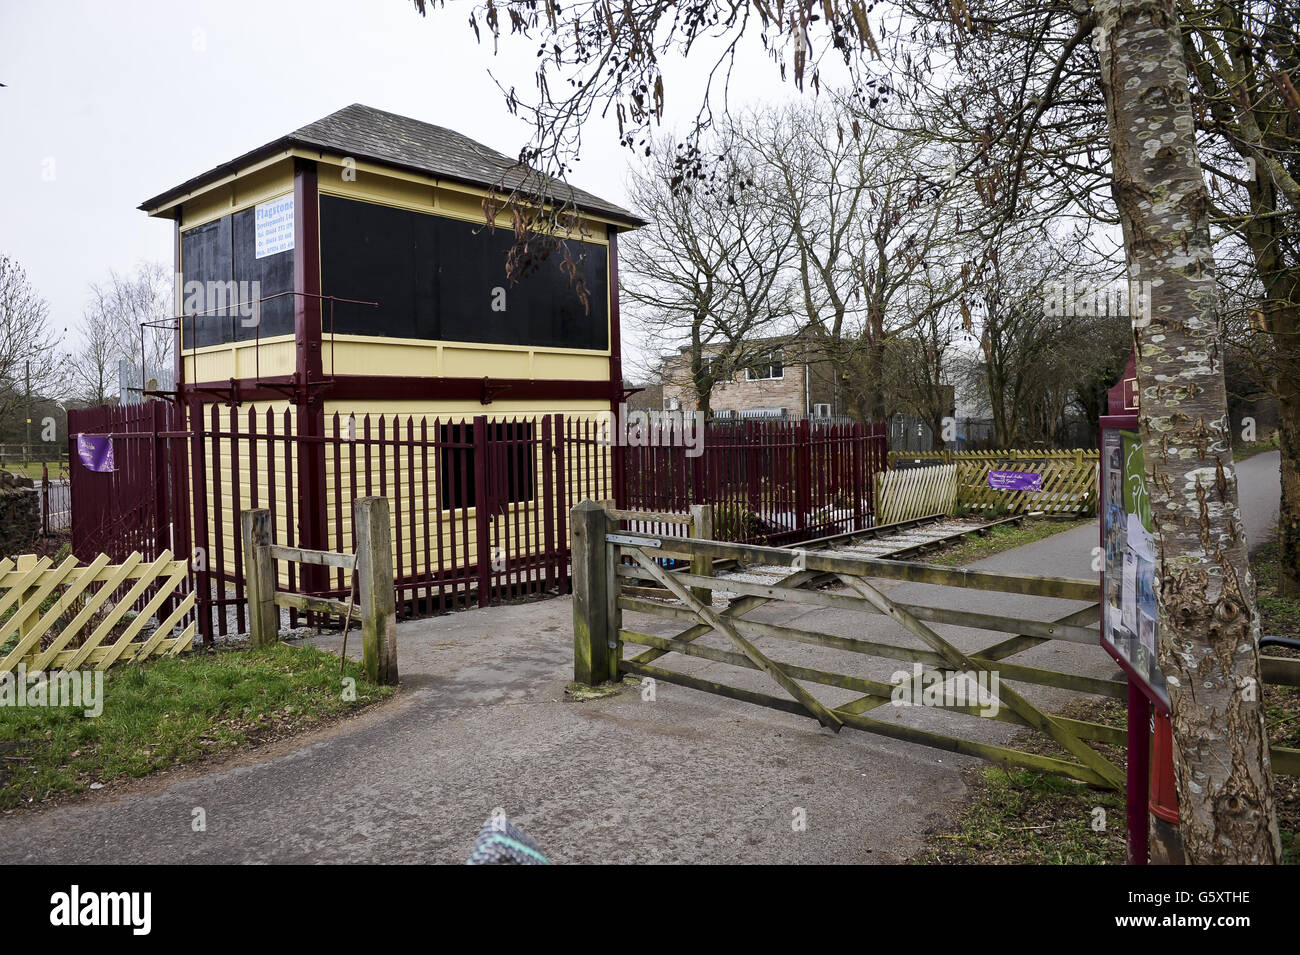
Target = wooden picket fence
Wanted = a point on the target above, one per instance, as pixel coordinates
(907, 495)
(70, 616)
(1069, 479)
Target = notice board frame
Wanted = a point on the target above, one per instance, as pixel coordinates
(1158, 696)
(1143, 700)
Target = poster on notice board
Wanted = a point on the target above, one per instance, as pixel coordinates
(1128, 622)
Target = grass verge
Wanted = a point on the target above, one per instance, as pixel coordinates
(1018, 816)
(1246, 450)
(32, 469)
(1000, 538)
(170, 711)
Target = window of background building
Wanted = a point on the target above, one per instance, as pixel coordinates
(772, 367)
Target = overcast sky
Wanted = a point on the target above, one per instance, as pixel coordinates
(108, 104)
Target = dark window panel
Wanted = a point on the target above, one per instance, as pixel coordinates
(222, 255)
(206, 259)
(275, 275)
(443, 279)
(514, 445)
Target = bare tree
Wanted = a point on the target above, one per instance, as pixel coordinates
(867, 264)
(1041, 339)
(127, 318)
(1243, 57)
(144, 305)
(92, 369)
(28, 357)
(707, 271)
(921, 367)
(593, 57)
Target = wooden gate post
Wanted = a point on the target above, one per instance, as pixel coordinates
(372, 537)
(701, 565)
(259, 571)
(592, 660)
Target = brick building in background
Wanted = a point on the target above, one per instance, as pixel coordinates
(790, 379)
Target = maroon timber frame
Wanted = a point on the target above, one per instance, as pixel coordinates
(308, 385)
(307, 396)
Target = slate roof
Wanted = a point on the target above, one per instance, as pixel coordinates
(364, 132)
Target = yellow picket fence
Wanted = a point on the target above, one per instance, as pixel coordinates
(45, 608)
(907, 495)
(1068, 479)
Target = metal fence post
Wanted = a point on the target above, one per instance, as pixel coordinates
(482, 458)
(376, 595)
(45, 501)
(263, 617)
(592, 661)
(561, 502)
(858, 443)
(803, 491)
(199, 542)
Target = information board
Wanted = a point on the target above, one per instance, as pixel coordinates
(1128, 621)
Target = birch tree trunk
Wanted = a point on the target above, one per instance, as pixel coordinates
(1208, 623)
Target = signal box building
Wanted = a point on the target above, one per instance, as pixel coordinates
(346, 270)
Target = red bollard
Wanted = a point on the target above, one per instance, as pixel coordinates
(1166, 843)
(1164, 791)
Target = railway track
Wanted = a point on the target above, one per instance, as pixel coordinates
(900, 541)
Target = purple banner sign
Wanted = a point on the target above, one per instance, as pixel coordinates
(96, 452)
(1015, 481)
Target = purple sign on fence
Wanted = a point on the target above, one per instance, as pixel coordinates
(96, 452)
(1015, 481)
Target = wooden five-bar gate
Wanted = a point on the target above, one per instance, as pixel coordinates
(716, 622)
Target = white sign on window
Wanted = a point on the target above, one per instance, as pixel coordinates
(274, 226)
